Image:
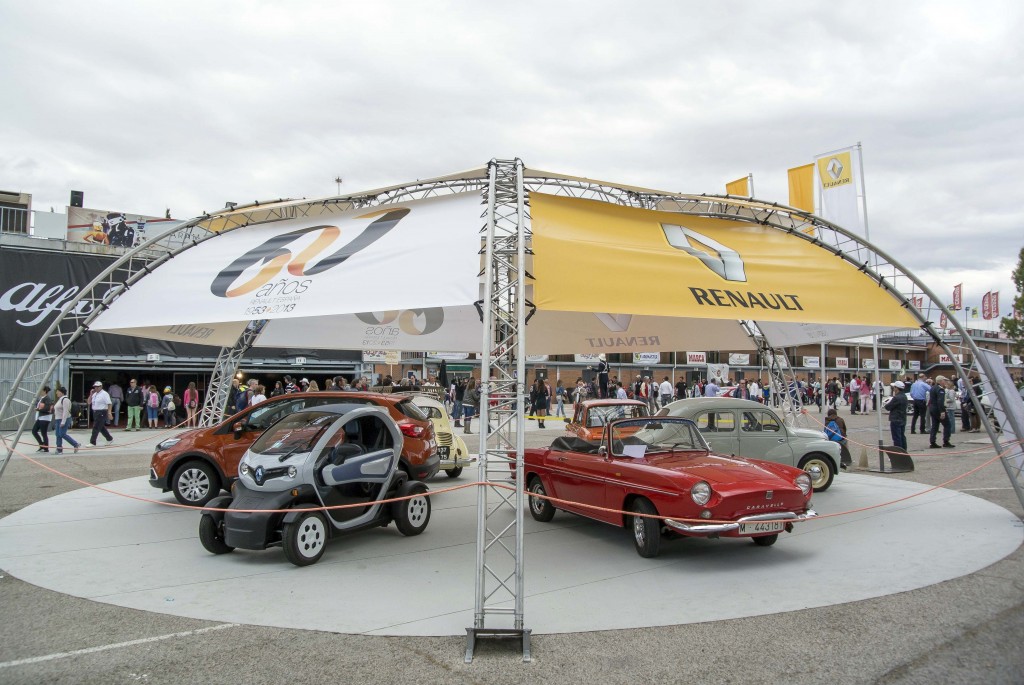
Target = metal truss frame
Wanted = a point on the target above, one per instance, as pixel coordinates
(499, 579)
(224, 372)
(499, 586)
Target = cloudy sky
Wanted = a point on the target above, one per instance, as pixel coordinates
(188, 104)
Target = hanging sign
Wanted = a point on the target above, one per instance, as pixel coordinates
(536, 358)
(382, 357)
(448, 356)
(693, 358)
(719, 373)
(896, 365)
(867, 363)
(1015, 360)
(812, 362)
(914, 365)
(586, 359)
(736, 359)
(842, 362)
(646, 357)
(944, 359)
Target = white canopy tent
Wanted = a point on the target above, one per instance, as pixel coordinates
(505, 262)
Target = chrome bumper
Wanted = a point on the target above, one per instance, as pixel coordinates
(718, 528)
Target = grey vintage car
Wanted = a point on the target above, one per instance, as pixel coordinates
(748, 429)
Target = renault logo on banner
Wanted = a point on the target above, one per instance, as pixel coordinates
(835, 170)
(723, 260)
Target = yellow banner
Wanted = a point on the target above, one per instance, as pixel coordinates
(741, 186)
(801, 187)
(592, 256)
(835, 170)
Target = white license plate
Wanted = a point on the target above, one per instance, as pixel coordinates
(760, 527)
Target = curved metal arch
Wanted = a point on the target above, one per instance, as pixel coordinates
(136, 263)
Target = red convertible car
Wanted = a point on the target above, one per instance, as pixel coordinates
(661, 470)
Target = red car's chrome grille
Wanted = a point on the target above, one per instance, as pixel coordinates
(734, 505)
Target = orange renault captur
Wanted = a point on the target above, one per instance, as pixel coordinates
(199, 463)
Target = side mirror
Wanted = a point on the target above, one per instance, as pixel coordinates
(602, 451)
(238, 428)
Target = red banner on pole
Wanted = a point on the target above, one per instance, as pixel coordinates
(986, 306)
(995, 305)
(958, 296)
(942, 320)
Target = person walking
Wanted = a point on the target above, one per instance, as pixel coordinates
(168, 407)
(938, 413)
(62, 420)
(460, 393)
(666, 391)
(470, 400)
(191, 404)
(897, 408)
(133, 401)
(152, 407)
(102, 412)
(919, 395)
(116, 399)
(560, 398)
(44, 414)
(539, 401)
(854, 395)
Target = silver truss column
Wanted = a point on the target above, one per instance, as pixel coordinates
(498, 610)
(781, 377)
(224, 372)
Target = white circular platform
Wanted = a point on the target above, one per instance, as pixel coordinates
(580, 575)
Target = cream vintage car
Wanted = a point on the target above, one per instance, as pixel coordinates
(744, 428)
(451, 448)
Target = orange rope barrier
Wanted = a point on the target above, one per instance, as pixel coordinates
(505, 487)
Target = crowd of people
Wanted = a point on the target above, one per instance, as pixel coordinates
(931, 404)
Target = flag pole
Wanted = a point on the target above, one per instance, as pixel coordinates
(750, 185)
(876, 390)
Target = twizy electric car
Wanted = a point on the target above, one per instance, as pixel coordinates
(325, 457)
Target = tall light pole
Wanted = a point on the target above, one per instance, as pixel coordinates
(337, 179)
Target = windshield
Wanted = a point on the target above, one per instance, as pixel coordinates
(602, 415)
(294, 433)
(643, 437)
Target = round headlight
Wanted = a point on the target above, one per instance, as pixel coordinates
(803, 481)
(701, 493)
(292, 471)
(243, 468)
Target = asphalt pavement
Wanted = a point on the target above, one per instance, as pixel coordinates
(966, 630)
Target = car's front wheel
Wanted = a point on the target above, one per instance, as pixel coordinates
(820, 469)
(195, 483)
(412, 515)
(540, 509)
(646, 531)
(211, 534)
(305, 538)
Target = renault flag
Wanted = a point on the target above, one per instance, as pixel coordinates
(836, 178)
(701, 268)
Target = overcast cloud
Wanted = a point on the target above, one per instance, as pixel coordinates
(186, 105)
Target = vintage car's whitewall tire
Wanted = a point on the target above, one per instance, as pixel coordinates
(820, 469)
(412, 515)
(211, 536)
(646, 531)
(195, 483)
(305, 539)
(540, 509)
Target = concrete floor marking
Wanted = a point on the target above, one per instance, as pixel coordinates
(116, 645)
